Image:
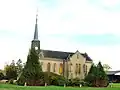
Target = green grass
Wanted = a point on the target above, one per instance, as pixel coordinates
(116, 85)
(15, 87)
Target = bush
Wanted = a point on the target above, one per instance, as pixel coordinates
(69, 82)
(21, 82)
(61, 81)
(35, 82)
(54, 79)
(75, 82)
(49, 78)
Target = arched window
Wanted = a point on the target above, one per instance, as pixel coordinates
(54, 67)
(84, 70)
(76, 71)
(61, 68)
(70, 67)
(79, 68)
(48, 67)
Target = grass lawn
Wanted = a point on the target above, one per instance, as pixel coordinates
(15, 87)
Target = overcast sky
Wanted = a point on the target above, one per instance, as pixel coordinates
(91, 26)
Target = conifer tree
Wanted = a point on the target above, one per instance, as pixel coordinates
(101, 74)
(92, 75)
(97, 76)
(32, 72)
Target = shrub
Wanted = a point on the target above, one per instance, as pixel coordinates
(49, 78)
(75, 82)
(54, 79)
(39, 82)
(69, 82)
(21, 81)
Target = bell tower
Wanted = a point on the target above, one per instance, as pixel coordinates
(36, 42)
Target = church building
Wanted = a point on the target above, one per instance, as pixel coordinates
(68, 64)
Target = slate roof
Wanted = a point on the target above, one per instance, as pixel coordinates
(62, 55)
(86, 56)
(112, 72)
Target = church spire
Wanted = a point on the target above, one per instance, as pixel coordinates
(35, 42)
(36, 29)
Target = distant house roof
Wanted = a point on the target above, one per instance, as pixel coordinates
(112, 72)
(62, 55)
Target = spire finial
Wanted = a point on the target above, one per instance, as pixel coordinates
(37, 16)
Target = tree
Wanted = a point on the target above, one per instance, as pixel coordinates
(1, 76)
(102, 74)
(11, 71)
(32, 72)
(97, 76)
(106, 67)
(92, 75)
(19, 66)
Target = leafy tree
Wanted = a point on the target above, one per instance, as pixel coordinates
(1, 76)
(11, 71)
(32, 72)
(19, 66)
(106, 67)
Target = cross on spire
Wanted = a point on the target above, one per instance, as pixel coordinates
(36, 16)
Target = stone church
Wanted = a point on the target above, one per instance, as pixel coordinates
(68, 64)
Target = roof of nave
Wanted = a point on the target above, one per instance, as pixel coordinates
(62, 55)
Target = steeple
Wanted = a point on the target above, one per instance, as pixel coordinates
(35, 42)
(36, 29)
